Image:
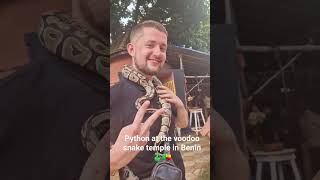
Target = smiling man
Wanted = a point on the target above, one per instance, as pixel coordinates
(147, 47)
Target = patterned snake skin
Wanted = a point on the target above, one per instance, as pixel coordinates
(71, 42)
(150, 86)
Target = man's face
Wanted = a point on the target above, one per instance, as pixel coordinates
(148, 50)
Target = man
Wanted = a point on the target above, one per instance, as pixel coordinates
(118, 156)
(147, 47)
(45, 104)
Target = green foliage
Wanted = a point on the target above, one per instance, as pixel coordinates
(187, 21)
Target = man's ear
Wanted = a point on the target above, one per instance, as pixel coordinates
(130, 49)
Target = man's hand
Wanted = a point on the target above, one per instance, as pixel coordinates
(166, 93)
(120, 157)
(230, 162)
(182, 114)
(317, 176)
(96, 165)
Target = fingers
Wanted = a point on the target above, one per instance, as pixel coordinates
(148, 123)
(140, 114)
(166, 96)
(172, 101)
(164, 91)
(163, 87)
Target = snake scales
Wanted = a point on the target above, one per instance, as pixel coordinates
(150, 86)
(70, 41)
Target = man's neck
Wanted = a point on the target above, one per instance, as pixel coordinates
(149, 77)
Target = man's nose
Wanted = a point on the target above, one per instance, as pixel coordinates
(157, 51)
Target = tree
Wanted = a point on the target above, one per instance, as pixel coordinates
(187, 21)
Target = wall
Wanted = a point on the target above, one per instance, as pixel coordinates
(17, 18)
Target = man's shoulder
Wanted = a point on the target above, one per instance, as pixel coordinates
(115, 87)
(124, 88)
(115, 90)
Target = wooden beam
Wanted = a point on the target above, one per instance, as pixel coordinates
(197, 76)
(305, 48)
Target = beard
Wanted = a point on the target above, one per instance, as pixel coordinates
(145, 69)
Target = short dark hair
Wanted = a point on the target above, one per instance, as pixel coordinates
(149, 23)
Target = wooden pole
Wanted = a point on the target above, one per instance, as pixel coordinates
(181, 61)
(304, 48)
(228, 12)
(274, 76)
(194, 77)
(195, 86)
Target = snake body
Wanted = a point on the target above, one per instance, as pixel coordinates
(66, 38)
(150, 86)
(70, 41)
(73, 43)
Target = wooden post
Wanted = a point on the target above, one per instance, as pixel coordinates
(181, 61)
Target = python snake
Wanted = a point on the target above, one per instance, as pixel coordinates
(150, 86)
(69, 40)
(73, 43)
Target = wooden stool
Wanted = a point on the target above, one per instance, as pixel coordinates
(194, 113)
(276, 158)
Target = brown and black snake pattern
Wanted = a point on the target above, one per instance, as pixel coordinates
(70, 41)
(150, 86)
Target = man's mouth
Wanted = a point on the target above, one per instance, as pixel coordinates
(155, 61)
